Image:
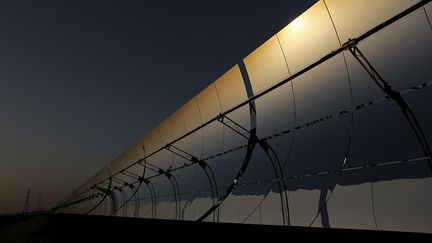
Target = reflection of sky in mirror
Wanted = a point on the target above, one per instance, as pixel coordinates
(315, 141)
(80, 81)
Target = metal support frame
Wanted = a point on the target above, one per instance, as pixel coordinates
(277, 168)
(152, 196)
(113, 198)
(104, 192)
(137, 202)
(123, 194)
(213, 185)
(252, 140)
(394, 95)
(249, 150)
(271, 155)
(207, 170)
(231, 124)
(175, 187)
(134, 189)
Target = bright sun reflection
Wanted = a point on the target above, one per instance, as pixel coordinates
(296, 24)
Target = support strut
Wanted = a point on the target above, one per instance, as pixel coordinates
(207, 170)
(393, 95)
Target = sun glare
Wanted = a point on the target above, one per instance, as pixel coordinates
(296, 24)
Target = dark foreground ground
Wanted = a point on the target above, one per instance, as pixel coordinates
(85, 228)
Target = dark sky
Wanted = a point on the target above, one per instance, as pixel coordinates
(80, 81)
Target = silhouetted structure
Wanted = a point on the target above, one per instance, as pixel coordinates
(26, 203)
(327, 124)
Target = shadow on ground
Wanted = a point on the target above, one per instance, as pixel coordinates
(86, 228)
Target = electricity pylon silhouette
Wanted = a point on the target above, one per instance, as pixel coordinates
(26, 204)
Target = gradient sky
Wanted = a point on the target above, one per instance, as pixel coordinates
(80, 81)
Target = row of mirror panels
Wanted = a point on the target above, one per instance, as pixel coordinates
(349, 157)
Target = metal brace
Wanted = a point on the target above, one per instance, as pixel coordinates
(207, 170)
(386, 88)
(231, 124)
